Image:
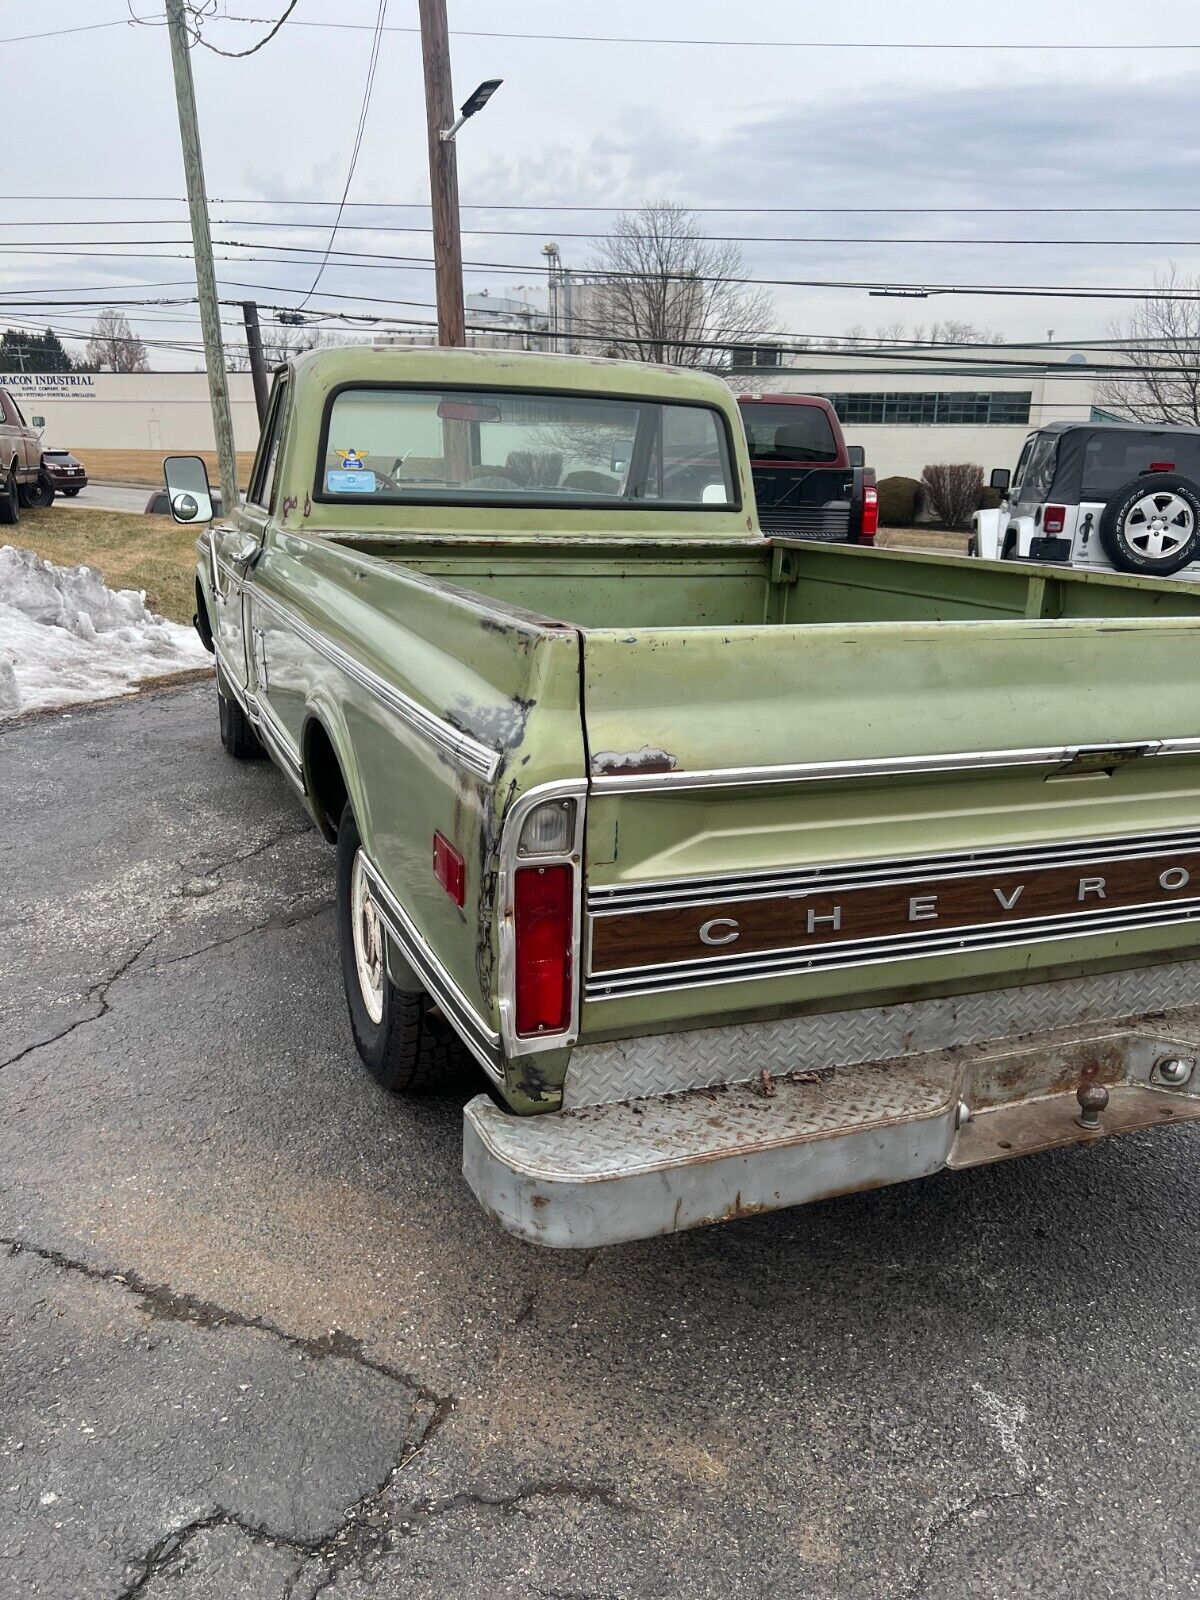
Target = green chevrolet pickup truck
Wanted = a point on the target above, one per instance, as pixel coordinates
(749, 871)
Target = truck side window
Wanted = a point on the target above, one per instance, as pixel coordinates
(1039, 470)
(262, 479)
(1018, 476)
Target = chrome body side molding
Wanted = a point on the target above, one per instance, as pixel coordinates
(459, 747)
(886, 766)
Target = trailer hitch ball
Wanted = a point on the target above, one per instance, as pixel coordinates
(1093, 1098)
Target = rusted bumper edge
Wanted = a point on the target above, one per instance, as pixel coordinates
(639, 1168)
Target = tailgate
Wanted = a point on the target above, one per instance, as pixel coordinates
(794, 817)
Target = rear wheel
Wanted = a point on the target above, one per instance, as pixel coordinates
(1152, 525)
(404, 1044)
(10, 501)
(237, 731)
(71, 493)
(38, 495)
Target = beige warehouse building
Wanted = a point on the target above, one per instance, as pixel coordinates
(131, 410)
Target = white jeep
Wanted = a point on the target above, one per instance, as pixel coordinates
(1116, 496)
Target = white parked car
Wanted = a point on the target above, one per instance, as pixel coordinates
(1116, 496)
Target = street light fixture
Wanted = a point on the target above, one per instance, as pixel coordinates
(474, 102)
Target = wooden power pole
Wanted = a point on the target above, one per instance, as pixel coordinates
(206, 278)
(443, 173)
(254, 349)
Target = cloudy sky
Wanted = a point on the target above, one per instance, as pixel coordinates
(767, 125)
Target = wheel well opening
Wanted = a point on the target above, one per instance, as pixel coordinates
(323, 779)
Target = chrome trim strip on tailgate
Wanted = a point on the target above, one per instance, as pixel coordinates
(884, 766)
(451, 741)
(609, 900)
(757, 965)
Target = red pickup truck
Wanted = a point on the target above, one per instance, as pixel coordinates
(808, 482)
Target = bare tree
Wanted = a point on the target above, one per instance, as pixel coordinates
(1162, 338)
(948, 332)
(953, 491)
(658, 290)
(113, 344)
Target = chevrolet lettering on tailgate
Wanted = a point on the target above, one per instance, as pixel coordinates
(874, 911)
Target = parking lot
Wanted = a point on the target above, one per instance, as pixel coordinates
(259, 1340)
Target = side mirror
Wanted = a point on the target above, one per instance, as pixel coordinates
(620, 455)
(38, 422)
(857, 455)
(188, 493)
(1000, 479)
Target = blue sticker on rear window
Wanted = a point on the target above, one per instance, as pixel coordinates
(358, 481)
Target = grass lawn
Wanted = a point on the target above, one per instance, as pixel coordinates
(941, 540)
(145, 466)
(130, 551)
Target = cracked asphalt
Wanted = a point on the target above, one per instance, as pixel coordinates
(257, 1340)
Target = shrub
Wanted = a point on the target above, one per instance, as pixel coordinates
(534, 469)
(897, 502)
(989, 498)
(952, 491)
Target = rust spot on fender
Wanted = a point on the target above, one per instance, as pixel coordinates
(647, 759)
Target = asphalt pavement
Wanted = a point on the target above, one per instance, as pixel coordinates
(256, 1338)
(105, 497)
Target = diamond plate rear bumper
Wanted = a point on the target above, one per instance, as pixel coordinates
(631, 1170)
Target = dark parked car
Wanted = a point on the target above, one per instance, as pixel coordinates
(65, 471)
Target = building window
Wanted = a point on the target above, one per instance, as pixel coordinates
(998, 408)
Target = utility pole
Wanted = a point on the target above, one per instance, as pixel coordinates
(443, 173)
(254, 349)
(206, 278)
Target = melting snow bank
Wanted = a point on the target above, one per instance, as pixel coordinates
(64, 637)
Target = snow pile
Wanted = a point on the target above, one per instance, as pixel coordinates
(64, 637)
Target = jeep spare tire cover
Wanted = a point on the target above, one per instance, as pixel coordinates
(1152, 525)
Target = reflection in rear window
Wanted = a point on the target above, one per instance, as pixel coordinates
(1112, 459)
(788, 433)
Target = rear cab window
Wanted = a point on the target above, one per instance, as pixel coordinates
(788, 432)
(388, 444)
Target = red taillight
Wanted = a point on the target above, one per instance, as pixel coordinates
(1161, 466)
(449, 869)
(542, 917)
(1054, 519)
(870, 515)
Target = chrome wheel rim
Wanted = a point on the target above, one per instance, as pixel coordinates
(368, 939)
(1159, 524)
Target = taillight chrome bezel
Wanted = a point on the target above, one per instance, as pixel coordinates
(513, 860)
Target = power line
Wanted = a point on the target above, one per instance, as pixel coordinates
(739, 44)
(561, 233)
(633, 205)
(57, 33)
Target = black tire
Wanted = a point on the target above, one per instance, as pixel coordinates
(1008, 551)
(237, 731)
(71, 493)
(37, 496)
(1128, 534)
(10, 501)
(410, 1050)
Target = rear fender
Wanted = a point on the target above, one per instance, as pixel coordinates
(324, 716)
(988, 526)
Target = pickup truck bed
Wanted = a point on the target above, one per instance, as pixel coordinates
(846, 826)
